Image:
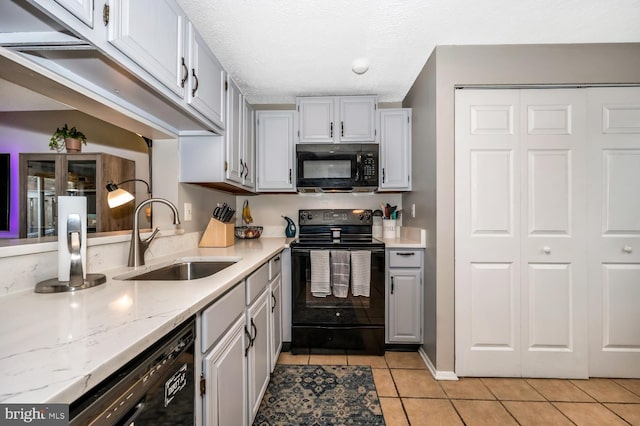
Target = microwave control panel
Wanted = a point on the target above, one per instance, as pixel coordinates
(369, 167)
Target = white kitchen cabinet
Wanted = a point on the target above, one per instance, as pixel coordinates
(239, 141)
(81, 9)
(335, 119)
(206, 81)
(259, 367)
(275, 147)
(225, 371)
(275, 304)
(248, 146)
(157, 44)
(395, 149)
(404, 296)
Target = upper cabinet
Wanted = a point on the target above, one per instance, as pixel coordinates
(239, 138)
(395, 149)
(81, 9)
(155, 44)
(206, 79)
(275, 148)
(170, 49)
(335, 119)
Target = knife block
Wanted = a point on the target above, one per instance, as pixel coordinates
(217, 234)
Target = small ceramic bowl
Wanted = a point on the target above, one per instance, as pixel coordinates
(248, 232)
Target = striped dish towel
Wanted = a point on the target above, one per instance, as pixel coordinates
(320, 275)
(361, 273)
(340, 272)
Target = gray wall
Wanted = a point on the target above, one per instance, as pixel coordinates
(432, 97)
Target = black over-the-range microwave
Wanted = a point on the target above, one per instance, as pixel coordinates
(337, 167)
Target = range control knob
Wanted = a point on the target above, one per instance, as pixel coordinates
(309, 216)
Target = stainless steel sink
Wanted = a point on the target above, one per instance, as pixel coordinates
(185, 270)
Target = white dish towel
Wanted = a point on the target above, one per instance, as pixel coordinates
(361, 273)
(340, 272)
(320, 273)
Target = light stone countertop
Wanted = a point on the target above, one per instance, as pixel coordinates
(409, 238)
(55, 347)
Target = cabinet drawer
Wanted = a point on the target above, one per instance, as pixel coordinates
(404, 258)
(219, 316)
(275, 266)
(256, 282)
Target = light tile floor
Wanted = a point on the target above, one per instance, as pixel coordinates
(410, 396)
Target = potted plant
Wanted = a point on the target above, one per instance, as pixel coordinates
(72, 137)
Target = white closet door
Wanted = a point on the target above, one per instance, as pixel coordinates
(487, 235)
(614, 223)
(554, 233)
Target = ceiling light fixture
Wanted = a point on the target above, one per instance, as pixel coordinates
(360, 65)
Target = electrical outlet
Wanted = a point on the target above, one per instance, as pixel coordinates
(187, 211)
(413, 210)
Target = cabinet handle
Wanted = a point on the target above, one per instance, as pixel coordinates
(627, 249)
(246, 174)
(246, 333)
(546, 249)
(276, 259)
(193, 91)
(289, 175)
(383, 175)
(408, 253)
(342, 128)
(275, 301)
(255, 330)
(186, 73)
(331, 128)
(392, 285)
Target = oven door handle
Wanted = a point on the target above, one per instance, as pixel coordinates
(297, 250)
(139, 408)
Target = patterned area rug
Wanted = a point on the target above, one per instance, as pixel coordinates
(320, 395)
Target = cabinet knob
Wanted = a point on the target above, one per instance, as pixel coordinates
(546, 249)
(627, 249)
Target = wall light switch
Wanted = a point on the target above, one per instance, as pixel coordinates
(187, 211)
(413, 210)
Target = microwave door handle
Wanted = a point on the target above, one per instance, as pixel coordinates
(358, 167)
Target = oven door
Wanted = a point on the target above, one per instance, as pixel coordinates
(329, 324)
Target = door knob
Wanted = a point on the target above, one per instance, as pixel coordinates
(627, 249)
(546, 249)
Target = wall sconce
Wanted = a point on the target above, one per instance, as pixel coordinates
(117, 196)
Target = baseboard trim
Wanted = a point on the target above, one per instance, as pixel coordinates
(438, 375)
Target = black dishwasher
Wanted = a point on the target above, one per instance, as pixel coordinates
(156, 388)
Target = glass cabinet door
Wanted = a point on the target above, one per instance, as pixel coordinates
(41, 209)
(81, 181)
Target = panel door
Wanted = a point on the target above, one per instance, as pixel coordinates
(276, 320)
(553, 218)
(404, 306)
(81, 9)
(614, 226)
(316, 120)
(233, 132)
(395, 149)
(487, 234)
(206, 79)
(248, 146)
(225, 370)
(275, 150)
(155, 42)
(258, 357)
(357, 118)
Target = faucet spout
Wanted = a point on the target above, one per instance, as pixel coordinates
(139, 247)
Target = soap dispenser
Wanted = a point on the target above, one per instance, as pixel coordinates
(290, 230)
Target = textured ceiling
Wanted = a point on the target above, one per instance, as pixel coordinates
(278, 49)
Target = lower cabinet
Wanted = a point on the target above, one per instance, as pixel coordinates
(225, 371)
(241, 337)
(404, 296)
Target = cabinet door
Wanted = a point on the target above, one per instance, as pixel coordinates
(276, 320)
(316, 117)
(206, 79)
(248, 146)
(81, 9)
(405, 306)
(258, 358)
(275, 148)
(357, 119)
(395, 149)
(157, 44)
(233, 132)
(225, 371)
